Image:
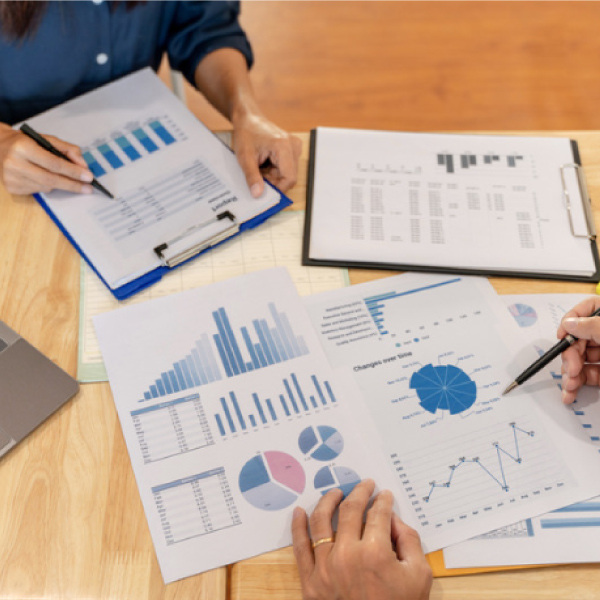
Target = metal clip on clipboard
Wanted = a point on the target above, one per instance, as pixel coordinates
(197, 238)
(585, 199)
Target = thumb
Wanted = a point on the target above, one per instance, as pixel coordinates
(585, 328)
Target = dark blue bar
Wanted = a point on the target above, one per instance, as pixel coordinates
(225, 341)
(113, 160)
(299, 391)
(238, 412)
(313, 401)
(126, 146)
(142, 136)
(93, 164)
(174, 381)
(167, 383)
(227, 415)
(252, 420)
(284, 404)
(153, 391)
(147, 396)
(160, 387)
(220, 424)
(162, 133)
(250, 347)
(318, 388)
(329, 391)
(271, 409)
(259, 408)
(261, 356)
(288, 389)
(233, 342)
(224, 359)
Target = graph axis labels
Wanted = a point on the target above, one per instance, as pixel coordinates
(443, 387)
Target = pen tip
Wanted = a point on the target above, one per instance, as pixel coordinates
(510, 388)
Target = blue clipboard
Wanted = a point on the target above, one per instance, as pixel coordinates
(169, 263)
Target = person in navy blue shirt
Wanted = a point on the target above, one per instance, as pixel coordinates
(51, 52)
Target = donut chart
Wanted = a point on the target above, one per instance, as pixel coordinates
(328, 478)
(321, 442)
(272, 480)
(523, 314)
(444, 387)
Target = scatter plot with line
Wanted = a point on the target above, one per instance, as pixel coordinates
(444, 387)
(486, 469)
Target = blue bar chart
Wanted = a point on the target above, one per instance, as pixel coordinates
(131, 143)
(254, 410)
(226, 355)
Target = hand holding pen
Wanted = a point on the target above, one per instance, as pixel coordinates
(579, 345)
(26, 167)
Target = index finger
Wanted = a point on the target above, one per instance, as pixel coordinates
(352, 510)
(378, 526)
(59, 166)
(583, 309)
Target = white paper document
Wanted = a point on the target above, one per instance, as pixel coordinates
(170, 176)
(277, 242)
(570, 534)
(496, 204)
(232, 416)
(432, 355)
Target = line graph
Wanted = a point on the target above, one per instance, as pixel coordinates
(501, 478)
(475, 470)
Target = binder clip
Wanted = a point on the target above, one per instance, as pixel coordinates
(585, 200)
(197, 238)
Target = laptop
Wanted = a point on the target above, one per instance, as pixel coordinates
(32, 387)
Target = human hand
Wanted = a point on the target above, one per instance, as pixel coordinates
(383, 562)
(26, 168)
(580, 361)
(256, 142)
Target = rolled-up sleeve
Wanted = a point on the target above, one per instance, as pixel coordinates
(199, 28)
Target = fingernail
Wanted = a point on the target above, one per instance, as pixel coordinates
(256, 190)
(570, 323)
(87, 177)
(86, 189)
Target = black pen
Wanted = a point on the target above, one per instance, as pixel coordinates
(545, 359)
(46, 145)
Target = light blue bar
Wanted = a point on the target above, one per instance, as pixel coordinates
(263, 342)
(180, 377)
(250, 347)
(290, 336)
(238, 412)
(225, 343)
(167, 383)
(224, 359)
(270, 341)
(162, 133)
(284, 404)
(161, 388)
(228, 415)
(271, 409)
(299, 392)
(391, 295)
(174, 382)
(261, 413)
(568, 523)
(210, 357)
(530, 532)
(192, 368)
(329, 391)
(165, 404)
(252, 420)
(261, 356)
(279, 345)
(302, 346)
(186, 373)
(281, 329)
(580, 507)
(153, 391)
(318, 388)
(205, 356)
(142, 136)
(199, 367)
(288, 389)
(239, 361)
(220, 424)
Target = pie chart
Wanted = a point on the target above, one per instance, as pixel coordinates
(272, 480)
(321, 442)
(328, 478)
(524, 314)
(444, 387)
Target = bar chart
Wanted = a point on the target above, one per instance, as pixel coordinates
(291, 400)
(195, 506)
(171, 428)
(131, 143)
(226, 355)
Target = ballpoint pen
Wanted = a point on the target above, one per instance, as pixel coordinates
(545, 359)
(44, 143)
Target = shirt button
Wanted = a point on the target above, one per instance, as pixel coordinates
(102, 58)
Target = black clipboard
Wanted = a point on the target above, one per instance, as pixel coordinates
(585, 198)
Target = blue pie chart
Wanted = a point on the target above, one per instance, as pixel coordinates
(444, 387)
(343, 478)
(523, 314)
(321, 442)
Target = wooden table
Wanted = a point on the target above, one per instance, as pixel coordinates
(71, 520)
